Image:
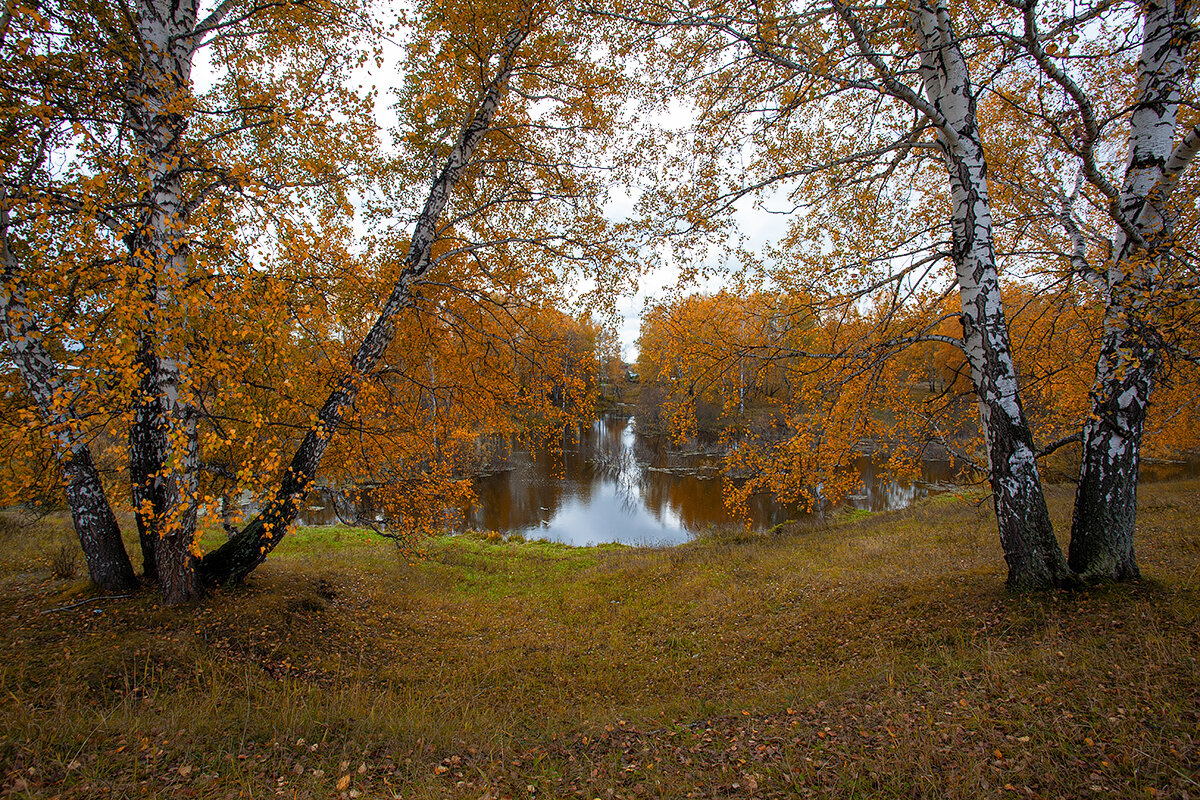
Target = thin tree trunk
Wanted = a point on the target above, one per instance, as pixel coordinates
(147, 500)
(1102, 526)
(1035, 560)
(239, 556)
(99, 535)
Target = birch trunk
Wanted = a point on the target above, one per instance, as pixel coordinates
(1034, 558)
(238, 557)
(164, 453)
(99, 535)
(1102, 527)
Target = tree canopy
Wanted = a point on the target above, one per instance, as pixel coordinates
(239, 288)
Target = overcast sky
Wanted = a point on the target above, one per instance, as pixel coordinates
(758, 227)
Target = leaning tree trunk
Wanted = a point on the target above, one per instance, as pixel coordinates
(239, 556)
(1102, 527)
(99, 535)
(1034, 558)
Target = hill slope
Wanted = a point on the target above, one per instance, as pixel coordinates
(876, 657)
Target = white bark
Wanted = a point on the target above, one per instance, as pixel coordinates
(1032, 553)
(99, 536)
(158, 100)
(1151, 130)
(1102, 530)
(165, 429)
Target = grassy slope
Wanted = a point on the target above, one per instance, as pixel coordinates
(878, 657)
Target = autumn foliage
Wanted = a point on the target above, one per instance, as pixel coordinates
(795, 391)
(224, 286)
(197, 320)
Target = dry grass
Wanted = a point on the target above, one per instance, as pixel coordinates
(878, 656)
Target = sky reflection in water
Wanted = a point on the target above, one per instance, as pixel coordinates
(608, 485)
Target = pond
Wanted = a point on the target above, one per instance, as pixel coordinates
(610, 484)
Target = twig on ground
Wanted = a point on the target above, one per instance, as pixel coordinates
(85, 602)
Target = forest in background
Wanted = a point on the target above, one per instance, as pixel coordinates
(251, 288)
(724, 369)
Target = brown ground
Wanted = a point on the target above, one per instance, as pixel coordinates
(875, 657)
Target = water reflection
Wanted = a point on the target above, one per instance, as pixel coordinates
(598, 488)
(1169, 470)
(881, 493)
(610, 485)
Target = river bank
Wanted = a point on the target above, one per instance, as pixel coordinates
(875, 656)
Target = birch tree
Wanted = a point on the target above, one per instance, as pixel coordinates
(514, 215)
(42, 97)
(115, 213)
(837, 102)
(233, 246)
(1143, 266)
(246, 550)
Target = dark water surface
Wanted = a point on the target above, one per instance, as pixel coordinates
(612, 485)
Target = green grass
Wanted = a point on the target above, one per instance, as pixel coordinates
(876, 657)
